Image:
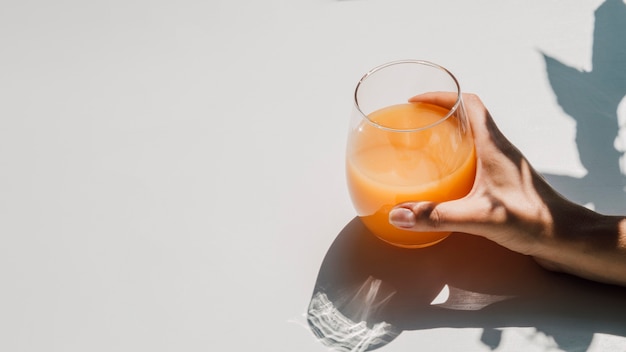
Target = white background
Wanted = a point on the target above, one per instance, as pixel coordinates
(171, 173)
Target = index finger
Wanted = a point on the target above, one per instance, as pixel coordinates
(444, 99)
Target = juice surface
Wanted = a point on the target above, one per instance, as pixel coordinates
(385, 168)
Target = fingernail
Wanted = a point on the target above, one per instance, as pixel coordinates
(402, 217)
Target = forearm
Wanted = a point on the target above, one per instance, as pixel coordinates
(586, 244)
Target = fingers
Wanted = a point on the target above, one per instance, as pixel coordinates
(483, 125)
(463, 215)
(477, 112)
(443, 99)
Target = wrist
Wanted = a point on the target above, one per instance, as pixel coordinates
(585, 243)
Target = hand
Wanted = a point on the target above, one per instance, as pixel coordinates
(511, 204)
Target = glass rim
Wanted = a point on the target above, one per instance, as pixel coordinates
(451, 111)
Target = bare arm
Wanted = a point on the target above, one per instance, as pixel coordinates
(514, 206)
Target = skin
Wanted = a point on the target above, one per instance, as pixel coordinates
(512, 205)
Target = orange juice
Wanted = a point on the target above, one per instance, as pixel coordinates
(386, 167)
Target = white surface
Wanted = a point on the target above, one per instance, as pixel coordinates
(172, 172)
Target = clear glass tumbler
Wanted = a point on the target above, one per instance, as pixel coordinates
(401, 150)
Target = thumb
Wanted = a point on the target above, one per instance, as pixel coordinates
(462, 215)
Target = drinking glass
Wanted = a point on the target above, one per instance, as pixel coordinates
(401, 151)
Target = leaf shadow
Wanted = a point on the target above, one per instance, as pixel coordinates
(592, 99)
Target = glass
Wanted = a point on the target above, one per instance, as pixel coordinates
(401, 151)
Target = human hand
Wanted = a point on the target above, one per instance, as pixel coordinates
(511, 204)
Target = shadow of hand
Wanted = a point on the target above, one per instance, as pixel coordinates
(367, 292)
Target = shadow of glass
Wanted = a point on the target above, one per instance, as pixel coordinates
(368, 292)
(592, 99)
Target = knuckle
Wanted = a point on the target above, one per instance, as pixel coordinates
(435, 218)
(472, 99)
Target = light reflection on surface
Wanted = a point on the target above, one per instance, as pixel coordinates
(459, 299)
(342, 333)
(343, 325)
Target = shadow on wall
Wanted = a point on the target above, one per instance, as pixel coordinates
(592, 100)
